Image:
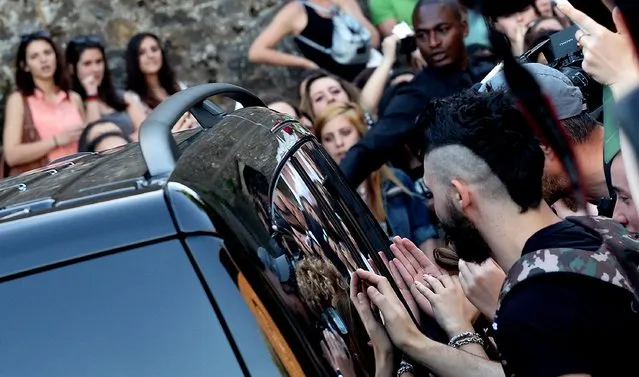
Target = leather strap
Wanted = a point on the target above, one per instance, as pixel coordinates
(29, 132)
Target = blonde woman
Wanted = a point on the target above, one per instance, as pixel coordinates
(387, 192)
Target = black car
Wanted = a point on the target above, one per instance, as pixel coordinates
(224, 251)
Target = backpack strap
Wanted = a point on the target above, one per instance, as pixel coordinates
(601, 264)
(332, 11)
(314, 45)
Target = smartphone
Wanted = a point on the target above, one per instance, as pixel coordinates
(402, 30)
(407, 43)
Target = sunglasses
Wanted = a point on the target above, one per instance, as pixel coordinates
(83, 40)
(35, 35)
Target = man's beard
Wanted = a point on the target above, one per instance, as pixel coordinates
(466, 240)
(553, 190)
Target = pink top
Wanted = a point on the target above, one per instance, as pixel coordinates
(51, 119)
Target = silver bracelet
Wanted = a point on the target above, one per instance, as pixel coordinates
(405, 367)
(466, 338)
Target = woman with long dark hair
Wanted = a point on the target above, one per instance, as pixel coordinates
(43, 117)
(148, 72)
(150, 77)
(91, 79)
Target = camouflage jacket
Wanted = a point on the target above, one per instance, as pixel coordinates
(600, 264)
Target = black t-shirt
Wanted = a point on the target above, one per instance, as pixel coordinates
(562, 323)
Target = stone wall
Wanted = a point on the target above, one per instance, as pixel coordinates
(207, 40)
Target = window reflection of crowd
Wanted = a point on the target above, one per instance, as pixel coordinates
(323, 252)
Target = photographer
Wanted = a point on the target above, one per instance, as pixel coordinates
(612, 60)
(586, 136)
(485, 169)
(440, 28)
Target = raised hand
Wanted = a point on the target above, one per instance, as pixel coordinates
(401, 279)
(412, 264)
(186, 122)
(451, 308)
(90, 85)
(482, 284)
(337, 354)
(389, 47)
(400, 327)
(610, 58)
(382, 346)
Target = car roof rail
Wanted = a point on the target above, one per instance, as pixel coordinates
(159, 149)
(71, 157)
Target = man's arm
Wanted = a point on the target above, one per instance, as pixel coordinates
(445, 361)
(389, 134)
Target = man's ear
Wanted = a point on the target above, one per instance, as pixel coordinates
(461, 194)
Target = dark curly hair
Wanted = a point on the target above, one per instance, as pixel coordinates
(492, 127)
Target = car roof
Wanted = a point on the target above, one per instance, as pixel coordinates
(87, 177)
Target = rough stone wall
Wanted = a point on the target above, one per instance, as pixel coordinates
(207, 40)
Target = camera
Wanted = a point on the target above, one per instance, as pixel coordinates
(564, 54)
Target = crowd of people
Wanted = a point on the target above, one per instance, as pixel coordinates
(487, 236)
(66, 103)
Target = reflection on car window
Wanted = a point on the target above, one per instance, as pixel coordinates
(323, 234)
(137, 313)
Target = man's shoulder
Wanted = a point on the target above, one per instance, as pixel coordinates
(543, 296)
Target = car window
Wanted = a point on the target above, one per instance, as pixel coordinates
(142, 312)
(320, 232)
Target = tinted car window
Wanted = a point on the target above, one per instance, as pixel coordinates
(325, 233)
(136, 313)
(320, 231)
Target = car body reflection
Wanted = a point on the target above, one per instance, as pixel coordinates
(296, 231)
(320, 231)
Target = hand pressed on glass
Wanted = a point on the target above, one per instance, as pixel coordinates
(337, 354)
(398, 323)
(411, 264)
(451, 308)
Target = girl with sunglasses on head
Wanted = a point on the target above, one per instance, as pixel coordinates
(43, 117)
(150, 77)
(105, 105)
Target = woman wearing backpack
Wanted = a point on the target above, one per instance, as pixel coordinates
(331, 34)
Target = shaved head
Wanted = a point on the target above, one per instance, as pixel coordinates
(453, 5)
(458, 162)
